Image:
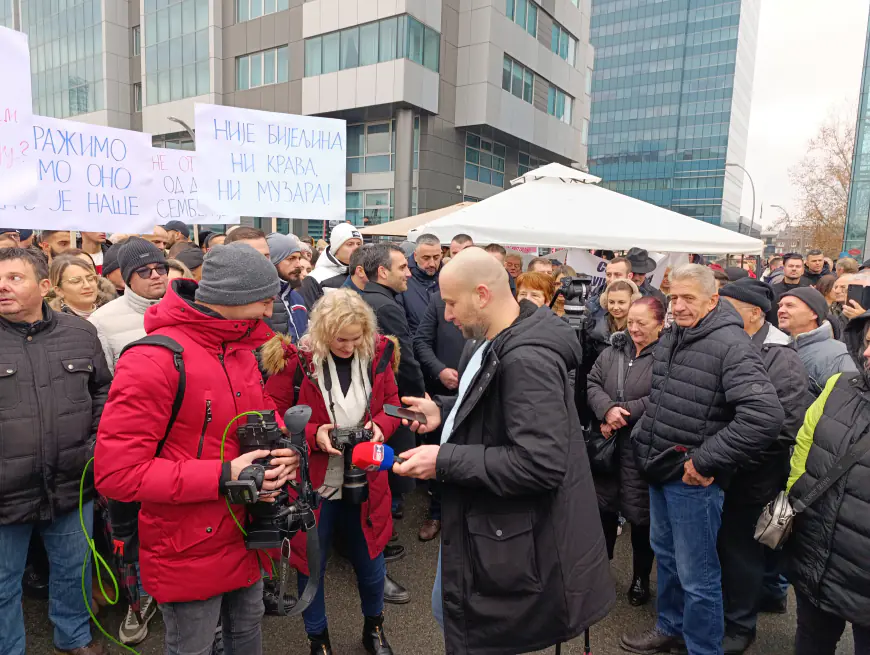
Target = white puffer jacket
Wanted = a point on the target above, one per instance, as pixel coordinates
(120, 322)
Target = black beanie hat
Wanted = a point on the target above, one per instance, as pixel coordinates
(136, 253)
(110, 259)
(735, 273)
(813, 299)
(748, 290)
(191, 257)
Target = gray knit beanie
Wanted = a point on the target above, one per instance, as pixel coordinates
(236, 274)
(281, 246)
(135, 253)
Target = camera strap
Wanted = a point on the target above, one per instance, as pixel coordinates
(312, 546)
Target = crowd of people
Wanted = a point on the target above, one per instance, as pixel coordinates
(675, 413)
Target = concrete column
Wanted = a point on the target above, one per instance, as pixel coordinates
(404, 173)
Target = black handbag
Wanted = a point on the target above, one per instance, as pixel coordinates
(603, 452)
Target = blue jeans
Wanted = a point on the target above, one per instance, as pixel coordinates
(66, 547)
(685, 523)
(370, 573)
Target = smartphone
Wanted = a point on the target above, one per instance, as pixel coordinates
(860, 294)
(407, 414)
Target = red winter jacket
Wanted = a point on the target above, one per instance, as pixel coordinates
(190, 547)
(280, 359)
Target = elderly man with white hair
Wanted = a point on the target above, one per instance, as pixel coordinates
(712, 409)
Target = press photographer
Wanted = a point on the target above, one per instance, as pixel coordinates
(168, 439)
(352, 376)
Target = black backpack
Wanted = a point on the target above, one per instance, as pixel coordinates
(124, 517)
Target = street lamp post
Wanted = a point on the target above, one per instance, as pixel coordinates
(185, 126)
(783, 210)
(752, 184)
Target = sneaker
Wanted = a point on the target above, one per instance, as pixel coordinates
(131, 631)
(93, 648)
(651, 642)
(737, 644)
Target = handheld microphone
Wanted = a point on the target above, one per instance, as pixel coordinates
(371, 456)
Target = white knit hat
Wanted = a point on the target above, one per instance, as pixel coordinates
(341, 233)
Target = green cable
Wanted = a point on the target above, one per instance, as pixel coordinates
(98, 562)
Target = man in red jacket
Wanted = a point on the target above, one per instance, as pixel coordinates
(192, 553)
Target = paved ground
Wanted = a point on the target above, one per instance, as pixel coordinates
(411, 628)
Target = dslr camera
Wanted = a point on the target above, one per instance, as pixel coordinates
(576, 292)
(355, 486)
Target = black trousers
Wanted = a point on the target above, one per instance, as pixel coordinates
(818, 632)
(641, 552)
(743, 566)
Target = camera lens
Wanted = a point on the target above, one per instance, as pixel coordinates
(355, 489)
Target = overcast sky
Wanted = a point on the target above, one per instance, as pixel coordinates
(809, 63)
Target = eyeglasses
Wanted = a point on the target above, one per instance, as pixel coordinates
(78, 280)
(145, 271)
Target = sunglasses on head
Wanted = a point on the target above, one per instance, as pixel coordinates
(145, 271)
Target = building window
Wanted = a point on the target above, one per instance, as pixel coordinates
(66, 55)
(563, 44)
(518, 79)
(584, 132)
(559, 104)
(262, 68)
(371, 147)
(399, 37)
(137, 97)
(369, 207)
(524, 13)
(250, 9)
(176, 50)
(528, 163)
(484, 160)
(7, 14)
(136, 36)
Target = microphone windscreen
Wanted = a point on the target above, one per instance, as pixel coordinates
(371, 456)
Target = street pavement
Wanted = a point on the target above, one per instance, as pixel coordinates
(410, 628)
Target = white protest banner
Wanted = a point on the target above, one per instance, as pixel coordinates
(18, 180)
(260, 163)
(91, 178)
(176, 188)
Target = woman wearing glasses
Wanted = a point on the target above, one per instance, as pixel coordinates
(76, 286)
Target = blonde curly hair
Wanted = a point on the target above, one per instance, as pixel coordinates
(331, 314)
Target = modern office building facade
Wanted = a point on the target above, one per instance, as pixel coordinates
(445, 100)
(671, 95)
(858, 215)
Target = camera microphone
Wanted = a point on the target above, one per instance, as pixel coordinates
(371, 456)
(296, 418)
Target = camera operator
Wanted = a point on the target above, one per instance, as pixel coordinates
(523, 564)
(353, 371)
(193, 558)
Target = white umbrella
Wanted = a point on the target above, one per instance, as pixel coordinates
(557, 206)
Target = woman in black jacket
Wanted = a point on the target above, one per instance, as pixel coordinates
(624, 490)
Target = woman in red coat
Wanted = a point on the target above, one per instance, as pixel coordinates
(352, 377)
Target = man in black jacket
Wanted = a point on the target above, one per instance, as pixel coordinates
(712, 410)
(331, 272)
(816, 267)
(424, 265)
(792, 275)
(743, 559)
(523, 564)
(438, 346)
(54, 381)
(386, 268)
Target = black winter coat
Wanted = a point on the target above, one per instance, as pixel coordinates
(438, 344)
(392, 321)
(758, 483)
(523, 562)
(625, 490)
(711, 401)
(54, 381)
(421, 287)
(829, 551)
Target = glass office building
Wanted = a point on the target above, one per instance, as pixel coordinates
(671, 92)
(858, 216)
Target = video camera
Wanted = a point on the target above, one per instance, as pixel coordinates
(272, 525)
(355, 486)
(576, 291)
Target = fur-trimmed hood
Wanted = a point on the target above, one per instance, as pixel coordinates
(105, 293)
(276, 352)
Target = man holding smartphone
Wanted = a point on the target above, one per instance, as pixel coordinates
(515, 480)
